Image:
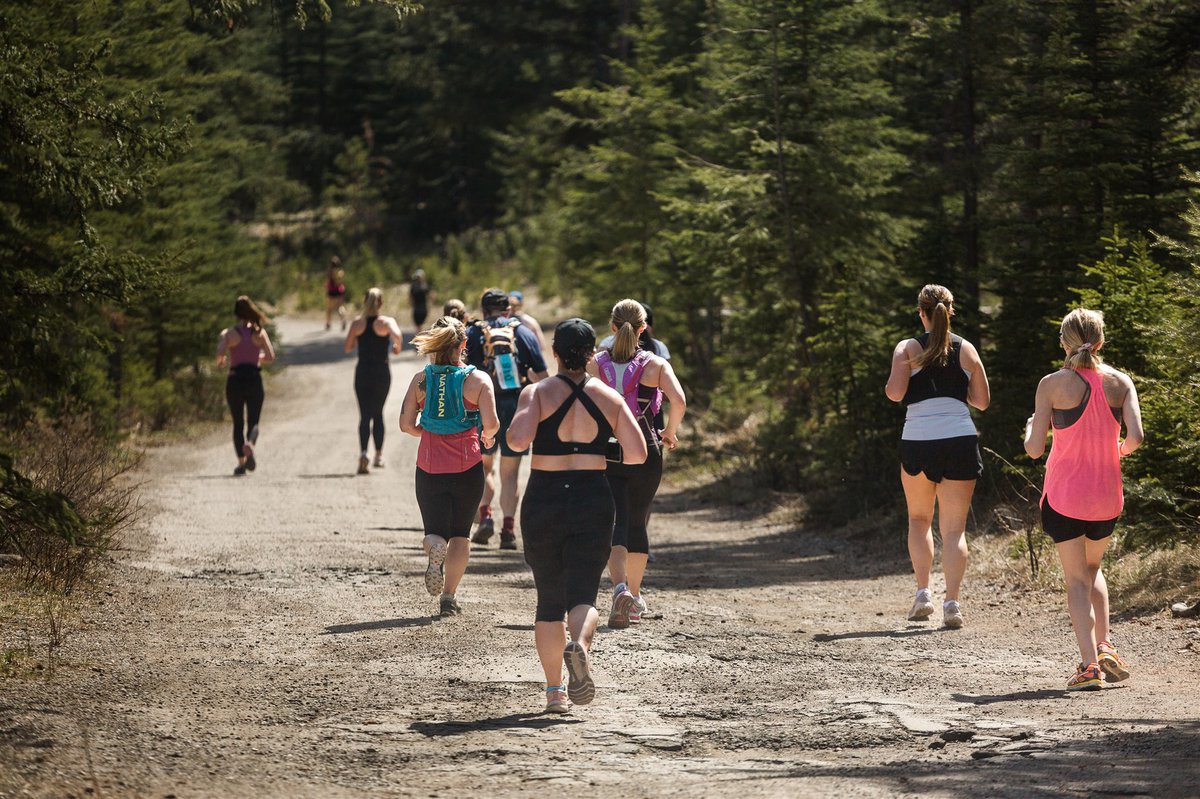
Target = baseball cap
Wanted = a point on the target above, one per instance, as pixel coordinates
(494, 299)
(520, 297)
(573, 334)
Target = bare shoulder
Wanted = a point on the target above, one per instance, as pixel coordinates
(605, 397)
(907, 346)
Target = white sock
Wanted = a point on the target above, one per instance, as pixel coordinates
(446, 596)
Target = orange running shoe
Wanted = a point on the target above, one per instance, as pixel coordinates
(1087, 678)
(1111, 663)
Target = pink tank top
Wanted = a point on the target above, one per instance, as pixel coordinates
(449, 454)
(1083, 472)
(246, 352)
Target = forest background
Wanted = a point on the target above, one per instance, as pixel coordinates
(777, 178)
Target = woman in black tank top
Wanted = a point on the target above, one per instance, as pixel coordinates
(373, 334)
(567, 512)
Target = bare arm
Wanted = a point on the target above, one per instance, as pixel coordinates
(1131, 413)
(356, 329)
(480, 391)
(535, 377)
(629, 435)
(223, 346)
(897, 384)
(1038, 425)
(393, 332)
(673, 391)
(523, 426)
(979, 393)
(413, 399)
(264, 343)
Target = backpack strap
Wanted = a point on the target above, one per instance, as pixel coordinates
(608, 372)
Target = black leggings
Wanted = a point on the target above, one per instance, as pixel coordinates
(633, 490)
(566, 527)
(448, 501)
(244, 394)
(372, 381)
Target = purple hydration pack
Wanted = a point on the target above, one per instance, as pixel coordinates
(630, 382)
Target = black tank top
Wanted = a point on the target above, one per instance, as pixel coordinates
(372, 347)
(939, 381)
(546, 440)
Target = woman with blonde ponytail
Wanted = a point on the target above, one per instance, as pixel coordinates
(372, 333)
(445, 404)
(1086, 402)
(643, 379)
(936, 376)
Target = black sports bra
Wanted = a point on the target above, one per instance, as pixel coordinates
(1065, 417)
(546, 440)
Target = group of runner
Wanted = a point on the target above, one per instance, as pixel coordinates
(597, 432)
(936, 376)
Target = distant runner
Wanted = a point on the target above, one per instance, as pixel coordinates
(642, 379)
(335, 292)
(936, 376)
(449, 406)
(418, 297)
(516, 303)
(1086, 401)
(567, 517)
(246, 347)
(372, 334)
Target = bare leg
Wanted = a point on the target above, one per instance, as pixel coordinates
(489, 480)
(510, 474)
(636, 565)
(551, 638)
(617, 560)
(920, 494)
(954, 502)
(582, 622)
(457, 554)
(1081, 582)
(1095, 551)
(330, 302)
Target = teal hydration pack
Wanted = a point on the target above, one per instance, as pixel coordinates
(444, 411)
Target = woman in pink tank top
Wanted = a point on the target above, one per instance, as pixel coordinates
(245, 347)
(1086, 403)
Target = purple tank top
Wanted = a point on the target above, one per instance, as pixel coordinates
(246, 352)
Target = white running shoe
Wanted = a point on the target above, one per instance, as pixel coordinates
(922, 607)
(639, 609)
(435, 574)
(952, 614)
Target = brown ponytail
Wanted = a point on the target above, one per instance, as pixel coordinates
(247, 311)
(1082, 334)
(938, 304)
(628, 317)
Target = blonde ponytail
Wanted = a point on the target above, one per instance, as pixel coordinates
(1082, 334)
(443, 341)
(628, 317)
(372, 302)
(938, 304)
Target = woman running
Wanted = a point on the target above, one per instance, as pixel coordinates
(642, 379)
(418, 298)
(1086, 401)
(567, 513)
(335, 291)
(246, 347)
(372, 377)
(444, 405)
(516, 304)
(936, 376)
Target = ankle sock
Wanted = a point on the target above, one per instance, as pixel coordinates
(510, 523)
(485, 512)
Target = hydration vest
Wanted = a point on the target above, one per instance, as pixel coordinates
(500, 354)
(444, 411)
(629, 385)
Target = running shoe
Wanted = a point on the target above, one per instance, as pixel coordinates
(508, 540)
(952, 614)
(922, 607)
(556, 699)
(239, 471)
(378, 462)
(638, 610)
(363, 463)
(1111, 663)
(1087, 678)
(483, 533)
(248, 451)
(435, 574)
(623, 603)
(448, 606)
(580, 687)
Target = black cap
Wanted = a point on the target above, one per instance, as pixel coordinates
(649, 314)
(573, 334)
(494, 301)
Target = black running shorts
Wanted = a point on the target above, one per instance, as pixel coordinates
(506, 409)
(1063, 528)
(943, 458)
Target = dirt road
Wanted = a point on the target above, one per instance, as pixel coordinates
(270, 636)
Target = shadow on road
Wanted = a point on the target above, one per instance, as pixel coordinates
(1015, 696)
(522, 721)
(328, 348)
(907, 632)
(383, 624)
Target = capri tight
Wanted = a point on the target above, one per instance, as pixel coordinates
(566, 527)
(633, 490)
(448, 501)
(372, 381)
(244, 394)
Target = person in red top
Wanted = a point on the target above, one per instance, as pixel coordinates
(449, 406)
(1086, 402)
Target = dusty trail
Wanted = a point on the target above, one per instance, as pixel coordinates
(270, 636)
